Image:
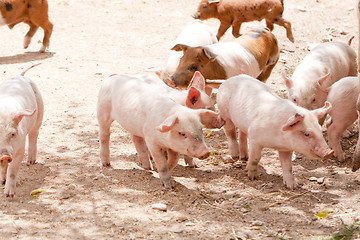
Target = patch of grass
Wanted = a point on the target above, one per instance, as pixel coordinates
(347, 232)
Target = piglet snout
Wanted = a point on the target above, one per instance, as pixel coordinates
(206, 155)
(196, 15)
(5, 159)
(324, 153)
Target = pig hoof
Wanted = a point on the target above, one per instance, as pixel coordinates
(106, 164)
(244, 159)
(235, 157)
(32, 162)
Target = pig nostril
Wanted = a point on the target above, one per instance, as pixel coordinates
(9, 160)
(170, 82)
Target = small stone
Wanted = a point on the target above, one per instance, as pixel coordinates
(301, 9)
(327, 39)
(159, 206)
(189, 224)
(313, 179)
(245, 210)
(257, 223)
(320, 180)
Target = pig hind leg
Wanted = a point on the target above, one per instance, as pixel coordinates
(142, 151)
(269, 24)
(230, 132)
(243, 145)
(38, 15)
(160, 160)
(286, 165)
(284, 23)
(334, 133)
(236, 25)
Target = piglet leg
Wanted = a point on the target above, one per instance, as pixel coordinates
(253, 162)
(12, 173)
(231, 135)
(286, 165)
(160, 160)
(142, 151)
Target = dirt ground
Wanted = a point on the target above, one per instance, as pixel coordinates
(93, 39)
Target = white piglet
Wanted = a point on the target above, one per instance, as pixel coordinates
(343, 96)
(267, 120)
(21, 114)
(194, 97)
(322, 66)
(156, 123)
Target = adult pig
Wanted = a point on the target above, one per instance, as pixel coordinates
(156, 124)
(254, 53)
(322, 66)
(343, 96)
(234, 13)
(21, 114)
(268, 121)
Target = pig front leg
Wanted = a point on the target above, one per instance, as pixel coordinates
(253, 162)
(173, 159)
(3, 170)
(269, 24)
(286, 165)
(142, 151)
(104, 135)
(12, 173)
(190, 161)
(222, 29)
(230, 132)
(160, 160)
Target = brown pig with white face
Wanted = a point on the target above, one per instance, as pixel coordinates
(234, 13)
(254, 53)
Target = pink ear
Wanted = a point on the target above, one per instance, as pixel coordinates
(292, 122)
(180, 47)
(288, 81)
(192, 97)
(321, 112)
(27, 113)
(168, 124)
(320, 82)
(197, 81)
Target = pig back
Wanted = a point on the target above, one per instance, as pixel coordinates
(246, 100)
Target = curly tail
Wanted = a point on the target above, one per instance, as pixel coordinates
(23, 73)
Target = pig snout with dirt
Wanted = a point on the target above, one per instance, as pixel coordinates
(21, 114)
(322, 66)
(343, 96)
(194, 35)
(32, 12)
(156, 123)
(234, 13)
(254, 53)
(268, 121)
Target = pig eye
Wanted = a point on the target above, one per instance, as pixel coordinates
(193, 67)
(182, 134)
(204, 6)
(12, 134)
(307, 134)
(294, 100)
(314, 100)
